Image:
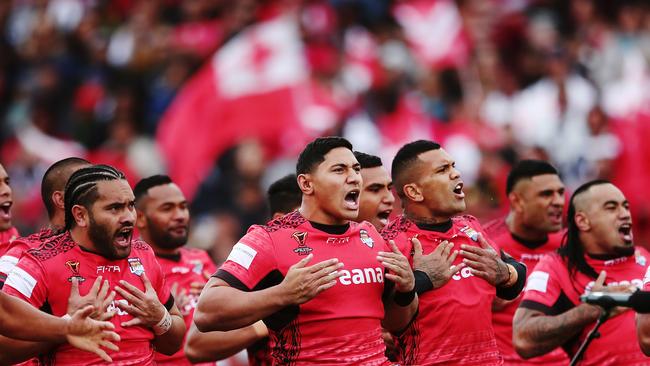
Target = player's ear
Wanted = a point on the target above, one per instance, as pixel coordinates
(140, 221)
(413, 192)
(80, 215)
(516, 203)
(582, 221)
(57, 199)
(306, 183)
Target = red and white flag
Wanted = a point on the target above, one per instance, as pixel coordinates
(434, 29)
(247, 90)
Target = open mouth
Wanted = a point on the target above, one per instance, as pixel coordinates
(123, 237)
(556, 217)
(383, 216)
(5, 208)
(352, 199)
(626, 233)
(458, 190)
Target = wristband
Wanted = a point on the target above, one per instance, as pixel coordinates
(404, 298)
(422, 281)
(163, 325)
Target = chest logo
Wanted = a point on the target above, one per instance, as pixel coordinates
(197, 267)
(136, 267)
(471, 233)
(301, 237)
(73, 265)
(366, 239)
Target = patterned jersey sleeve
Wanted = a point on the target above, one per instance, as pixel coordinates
(249, 261)
(544, 286)
(27, 281)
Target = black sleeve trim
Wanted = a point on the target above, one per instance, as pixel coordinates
(170, 302)
(422, 282)
(231, 280)
(534, 305)
(511, 293)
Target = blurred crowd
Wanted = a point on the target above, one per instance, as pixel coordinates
(493, 81)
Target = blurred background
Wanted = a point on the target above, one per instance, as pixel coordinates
(223, 95)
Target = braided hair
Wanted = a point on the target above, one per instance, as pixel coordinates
(81, 188)
(572, 250)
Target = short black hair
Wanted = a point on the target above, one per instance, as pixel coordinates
(55, 179)
(81, 188)
(315, 151)
(405, 157)
(367, 161)
(526, 169)
(284, 195)
(144, 185)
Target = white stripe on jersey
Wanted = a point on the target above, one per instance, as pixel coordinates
(537, 281)
(22, 281)
(7, 263)
(242, 254)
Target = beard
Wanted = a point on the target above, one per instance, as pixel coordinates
(103, 240)
(164, 239)
(625, 251)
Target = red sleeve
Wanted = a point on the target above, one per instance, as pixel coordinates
(250, 260)
(208, 265)
(10, 258)
(544, 286)
(646, 280)
(27, 282)
(157, 278)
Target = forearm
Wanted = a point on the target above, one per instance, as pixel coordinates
(643, 332)
(225, 308)
(13, 351)
(171, 341)
(535, 334)
(514, 288)
(397, 317)
(215, 346)
(22, 321)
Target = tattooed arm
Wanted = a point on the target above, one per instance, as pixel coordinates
(535, 334)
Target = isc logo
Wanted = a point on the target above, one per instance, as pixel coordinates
(465, 272)
(360, 276)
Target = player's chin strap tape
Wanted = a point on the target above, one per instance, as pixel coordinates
(163, 325)
(422, 282)
(404, 298)
(511, 293)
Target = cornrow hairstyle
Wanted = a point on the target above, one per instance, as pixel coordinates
(81, 188)
(367, 161)
(572, 250)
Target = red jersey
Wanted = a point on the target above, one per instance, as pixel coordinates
(7, 237)
(453, 325)
(42, 278)
(552, 291)
(17, 247)
(189, 266)
(529, 254)
(340, 326)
